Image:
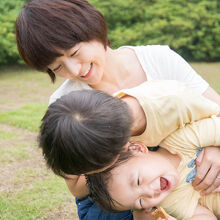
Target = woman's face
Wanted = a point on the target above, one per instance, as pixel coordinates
(142, 182)
(84, 62)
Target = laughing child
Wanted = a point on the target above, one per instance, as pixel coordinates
(142, 179)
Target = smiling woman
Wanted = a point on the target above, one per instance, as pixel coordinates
(84, 62)
(54, 19)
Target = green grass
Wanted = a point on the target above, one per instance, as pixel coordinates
(10, 154)
(31, 192)
(26, 175)
(7, 135)
(30, 204)
(210, 72)
(27, 117)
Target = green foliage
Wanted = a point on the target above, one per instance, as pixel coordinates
(8, 13)
(27, 117)
(192, 28)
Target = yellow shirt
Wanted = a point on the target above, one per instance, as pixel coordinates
(168, 105)
(181, 203)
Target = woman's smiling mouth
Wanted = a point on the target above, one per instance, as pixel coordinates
(88, 72)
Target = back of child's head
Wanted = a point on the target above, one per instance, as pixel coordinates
(44, 27)
(84, 131)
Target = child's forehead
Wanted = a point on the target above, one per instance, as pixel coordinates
(126, 167)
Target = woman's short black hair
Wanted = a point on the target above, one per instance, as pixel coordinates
(84, 131)
(45, 26)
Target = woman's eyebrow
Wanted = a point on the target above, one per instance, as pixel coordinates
(57, 67)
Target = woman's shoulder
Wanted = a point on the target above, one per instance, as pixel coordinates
(148, 48)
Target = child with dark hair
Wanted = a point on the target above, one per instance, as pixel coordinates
(86, 130)
(141, 179)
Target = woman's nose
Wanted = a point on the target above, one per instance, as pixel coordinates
(72, 67)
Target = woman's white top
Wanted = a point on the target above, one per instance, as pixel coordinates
(158, 62)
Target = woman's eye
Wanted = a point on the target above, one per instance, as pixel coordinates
(57, 68)
(73, 54)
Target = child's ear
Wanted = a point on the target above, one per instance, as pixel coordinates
(126, 147)
(137, 147)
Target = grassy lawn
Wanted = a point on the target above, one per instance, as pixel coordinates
(28, 190)
(210, 72)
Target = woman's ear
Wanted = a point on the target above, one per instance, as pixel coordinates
(137, 147)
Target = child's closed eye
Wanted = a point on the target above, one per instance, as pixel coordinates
(140, 201)
(138, 181)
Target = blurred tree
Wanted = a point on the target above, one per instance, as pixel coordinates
(8, 14)
(192, 28)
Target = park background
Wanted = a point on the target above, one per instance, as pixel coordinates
(27, 189)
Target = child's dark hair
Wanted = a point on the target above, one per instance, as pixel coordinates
(98, 183)
(84, 131)
(45, 26)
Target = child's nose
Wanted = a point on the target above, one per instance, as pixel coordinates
(148, 192)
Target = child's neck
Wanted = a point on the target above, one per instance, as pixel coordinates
(173, 158)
